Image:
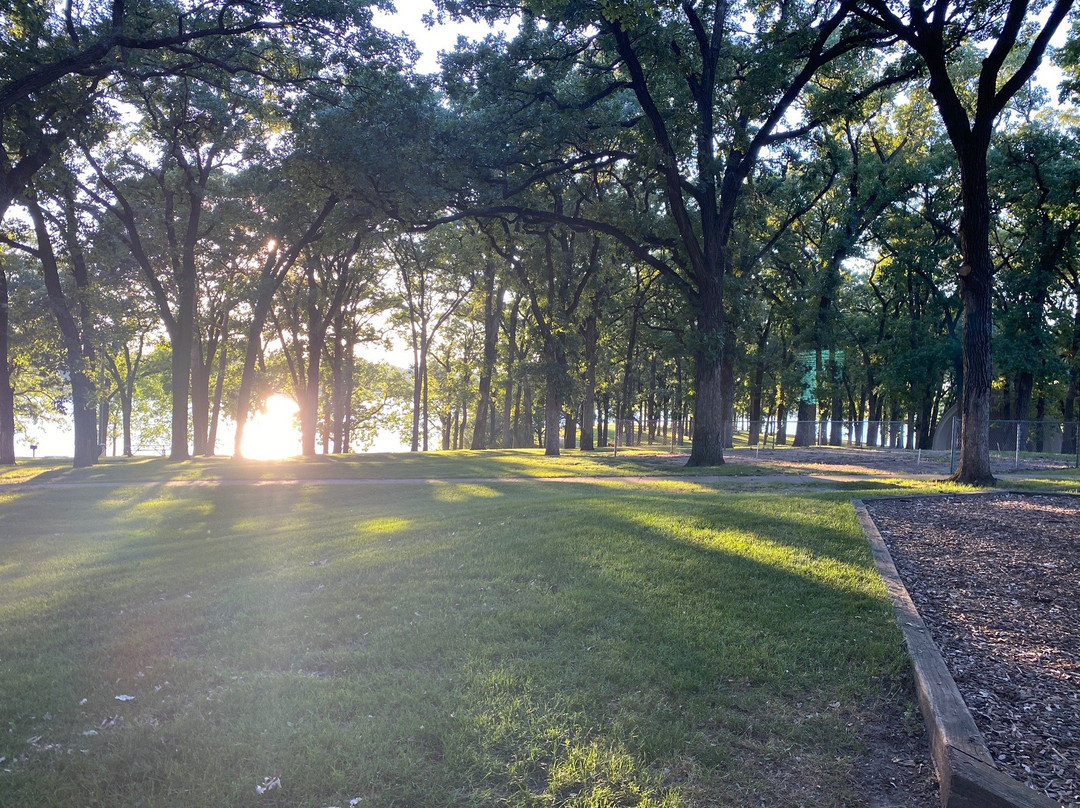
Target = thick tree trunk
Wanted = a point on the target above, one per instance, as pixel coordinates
(350, 386)
(780, 437)
(526, 436)
(555, 382)
(493, 310)
(182, 339)
(77, 343)
(309, 409)
(508, 439)
(757, 387)
(7, 392)
(200, 400)
(125, 424)
(591, 335)
(1073, 392)
(337, 409)
(707, 448)
(976, 292)
(419, 366)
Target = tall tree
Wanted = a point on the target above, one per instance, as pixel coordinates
(1015, 37)
(165, 202)
(434, 276)
(715, 85)
(56, 55)
(58, 244)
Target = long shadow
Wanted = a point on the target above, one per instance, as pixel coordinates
(519, 602)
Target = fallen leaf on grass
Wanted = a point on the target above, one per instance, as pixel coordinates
(125, 697)
(269, 784)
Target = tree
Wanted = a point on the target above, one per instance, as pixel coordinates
(940, 33)
(166, 205)
(337, 274)
(434, 282)
(74, 312)
(57, 55)
(1037, 168)
(715, 86)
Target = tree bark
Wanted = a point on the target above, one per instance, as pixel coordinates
(976, 292)
(77, 341)
(591, 334)
(493, 306)
(7, 392)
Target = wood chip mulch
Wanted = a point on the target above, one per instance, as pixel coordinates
(996, 578)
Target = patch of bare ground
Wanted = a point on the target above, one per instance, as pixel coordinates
(883, 462)
(996, 578)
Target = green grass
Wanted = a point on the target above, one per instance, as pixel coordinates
(516, 463)
(596, 643)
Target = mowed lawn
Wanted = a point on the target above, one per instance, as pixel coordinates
(527, 643)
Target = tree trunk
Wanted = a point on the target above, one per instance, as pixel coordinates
(976, 292)
(200, 399)
(7, 392)
(781, 424)
(219, 388)
(247, 373)
(588, 408)
(508, 440)
(336, 411)
(526, 435)
(1069, 413)
(555, 376)
(707, 448)
(757, 386)
(493, 310)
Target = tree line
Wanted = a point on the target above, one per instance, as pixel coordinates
(647, 216)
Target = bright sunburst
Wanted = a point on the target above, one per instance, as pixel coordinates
(273, 433)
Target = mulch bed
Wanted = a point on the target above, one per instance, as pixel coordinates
(996, 578)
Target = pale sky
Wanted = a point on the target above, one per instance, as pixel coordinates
(408, 19)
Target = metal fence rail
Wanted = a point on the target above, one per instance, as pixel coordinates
(1021, 439)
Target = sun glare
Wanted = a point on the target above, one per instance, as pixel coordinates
(273, 433)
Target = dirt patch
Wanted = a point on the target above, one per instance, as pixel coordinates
(882, 462)
(996, 577)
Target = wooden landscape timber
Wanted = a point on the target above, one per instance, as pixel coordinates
(965, 768)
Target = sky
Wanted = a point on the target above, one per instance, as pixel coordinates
(408, 19)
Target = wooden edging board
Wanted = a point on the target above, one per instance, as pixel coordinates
(965, 768)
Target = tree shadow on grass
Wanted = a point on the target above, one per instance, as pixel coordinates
(517, 643)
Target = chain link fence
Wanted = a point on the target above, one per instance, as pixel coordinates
(1054, 441)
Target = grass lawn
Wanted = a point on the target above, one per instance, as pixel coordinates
(436, 643)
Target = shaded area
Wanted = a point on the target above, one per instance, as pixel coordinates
(995, 578)
(432, 644)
